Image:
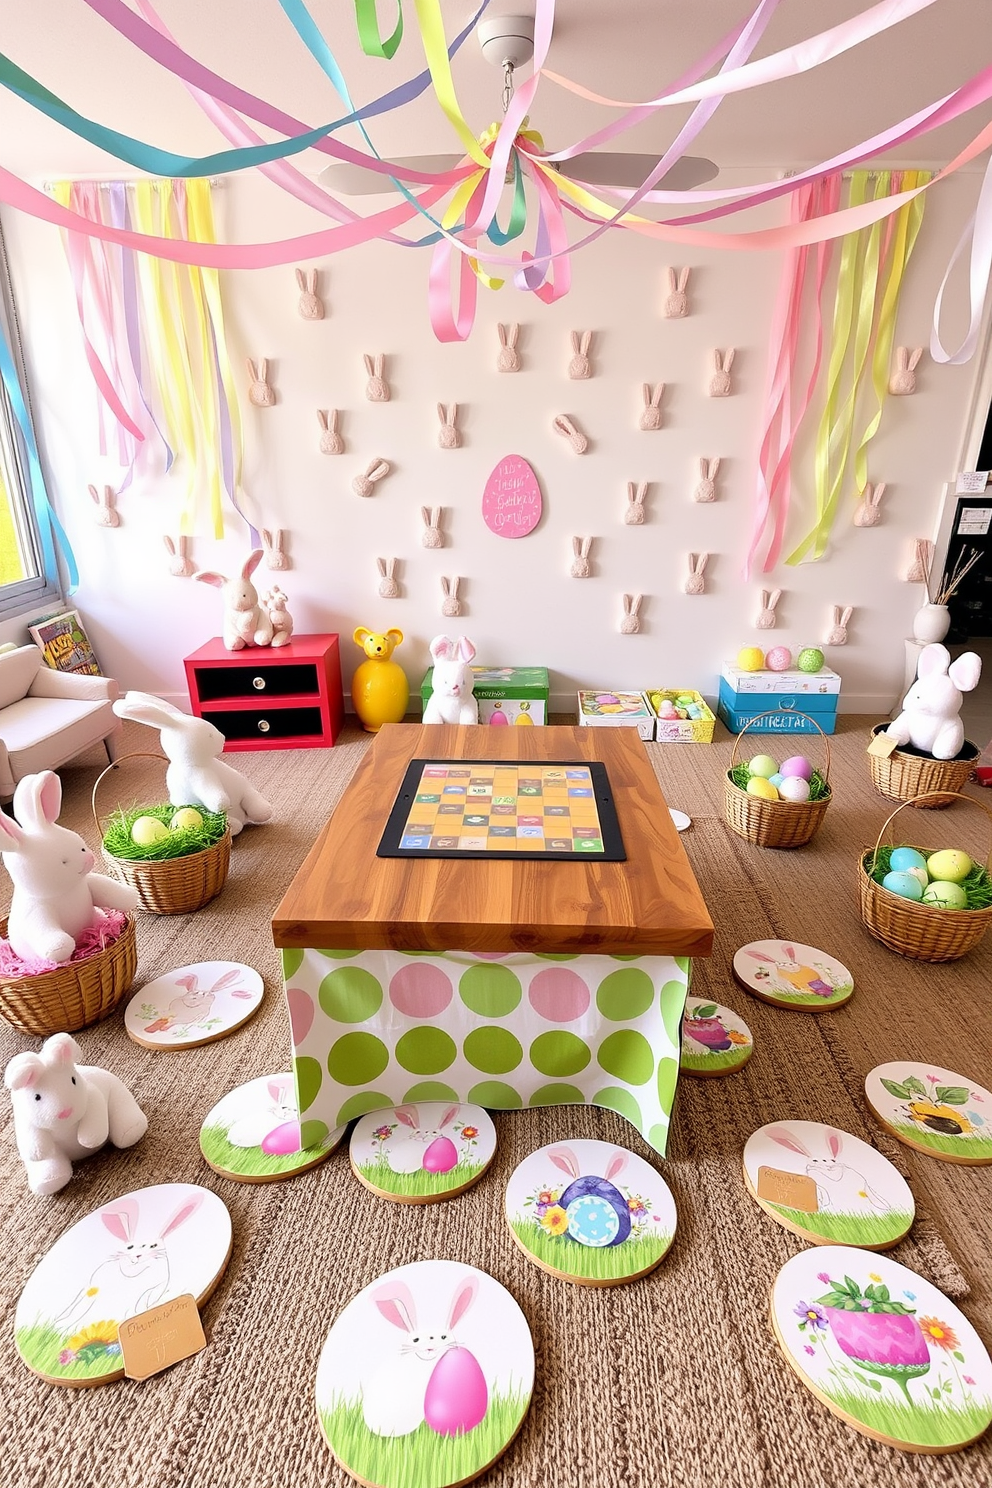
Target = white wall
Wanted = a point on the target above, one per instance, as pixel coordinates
(520, 605)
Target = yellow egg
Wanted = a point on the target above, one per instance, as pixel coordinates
(759, 786)
(751, 659)
(147, 830)
(525, 719)
(186, 816)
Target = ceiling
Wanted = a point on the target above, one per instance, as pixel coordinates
(629, 49)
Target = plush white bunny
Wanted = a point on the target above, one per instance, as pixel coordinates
(929, 718)
(245, 623)
(274, 602)
(196, 777)
(64, 1111)
(56, 897)
(452, 699)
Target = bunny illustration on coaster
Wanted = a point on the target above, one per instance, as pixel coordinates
(793, 975)
(254, 1133)
(121, 1260)
(453, 697)
(419, 1153)
(930, 718)
(715, 1041)
(193, 1005)
(827, 1186)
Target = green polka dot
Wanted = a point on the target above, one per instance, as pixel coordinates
(495, 1051)
(313, 1133)
(557, 955)
(672, 1008)
(615, 1099)
(338, 955)
(559, 1053)
(683, 963)
(624, 995)
(292, 960)
(426, 1051)
(356, 1059)
(627, 1055)
(308, 1079)
(496, 1095)
(358, 1105)
(668, 1078)
(658, 1137)
(625, 956)
(557, 1095)
(491, 991)
(350, 995)
(428, 1090)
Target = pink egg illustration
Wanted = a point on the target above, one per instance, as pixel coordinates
(300, 1012)
(511, 501)
(607, 697)
(799, 765)
(497, 719)
(441, 1156)
(457, 1395)
(778, 659)
(283, 1140)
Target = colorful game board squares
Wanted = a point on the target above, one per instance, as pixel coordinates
(444, 843)
(559, 844)
(419, 829)
(503, 810)
(504, 800)
(459, 774)
(495, 831)
(436, 772)
(447, 809)
(532, 831)
(585, 832)
(415, 844)
(453, 790)
(529, 821)
(473, 844)
(573, 790)
(587, 844)
(576, 775)
(556, 810)
(427, 799)
(480, 790)
(476, 821)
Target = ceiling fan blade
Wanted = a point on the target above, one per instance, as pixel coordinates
(354, 180)
(609, 168)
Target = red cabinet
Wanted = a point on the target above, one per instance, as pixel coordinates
(287, 697)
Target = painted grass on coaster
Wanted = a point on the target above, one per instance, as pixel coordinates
(248, 1160)
(413, 1185)
(926, 1424)
(605, 1263)
(848, 1229)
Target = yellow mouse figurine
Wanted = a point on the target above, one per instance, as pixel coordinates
(380, 691)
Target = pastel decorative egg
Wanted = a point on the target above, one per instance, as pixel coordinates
(283, 1140)
(906, 885)
(778, 659)
(511, 501)
(903, 858)
(751, 659)
(148, 830)
(810, 659)
(763, 764)
(441, 1156)
(759, 786)
(186, 816)
(776, 779)
(945, 895)
(798, 765)
(497, 719)
(597, 1212)
(949, 866)
(794, 788)
(457, 1396)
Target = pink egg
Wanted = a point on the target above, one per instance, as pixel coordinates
(797, 765)
(457, 1395)
(441, 1156)
(778, 659)
(283, 1140)
(497, 719)
(794, 788)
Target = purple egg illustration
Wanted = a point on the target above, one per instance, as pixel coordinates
(283, 1140)
(587, 1219)
(441, 1156)
(457, 1396)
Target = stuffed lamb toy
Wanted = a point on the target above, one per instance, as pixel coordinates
(64, 1110)
(196, 777)
(56, 897)
(929, 719)
(452, 699)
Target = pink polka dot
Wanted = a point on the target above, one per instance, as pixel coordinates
(300, 1013)
(559, 995)
(420, 990)
(489, 955)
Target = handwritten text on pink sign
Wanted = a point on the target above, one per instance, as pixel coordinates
(511, 502)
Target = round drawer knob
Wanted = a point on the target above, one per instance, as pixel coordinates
(264, 725)
(258, 683)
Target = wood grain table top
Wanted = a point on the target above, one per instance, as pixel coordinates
(345, 898)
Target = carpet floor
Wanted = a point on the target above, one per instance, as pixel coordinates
(673, 1380)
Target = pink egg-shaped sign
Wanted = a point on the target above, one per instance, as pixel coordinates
(511, 502)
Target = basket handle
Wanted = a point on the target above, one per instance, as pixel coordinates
(925, 796)
(773, 713)
(137, 754)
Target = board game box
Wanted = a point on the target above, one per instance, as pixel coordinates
(505, 695)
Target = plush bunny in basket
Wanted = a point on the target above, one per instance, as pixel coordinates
(929, 719)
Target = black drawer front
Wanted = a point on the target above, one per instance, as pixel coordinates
(213, 683)
(278, 723)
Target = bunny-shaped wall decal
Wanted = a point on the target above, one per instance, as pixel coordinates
(432, 536)
(580, 367)
(677, 303)
(929, 719)
(631, 623)
(273, 543)
(902, 381)
(919, 570)
(451, 604)
(766, 615)
(181, 566)
(837, 634)
(651, 412)
(708, 471)
(375, 470)
(696, 583)
(311, 306)
(260, 394)
(720, 386)
(388, 586)
(869, 507)
(563, 425)
(509, 358)
(448, 436)
(634, 513)
(377, 388)
(106, 514)
(331, 442)
(581, 567)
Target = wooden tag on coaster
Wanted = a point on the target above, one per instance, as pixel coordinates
(160, 1337)
(794, 1190)
(882, 745)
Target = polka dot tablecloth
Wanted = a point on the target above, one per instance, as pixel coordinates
(377, 1028)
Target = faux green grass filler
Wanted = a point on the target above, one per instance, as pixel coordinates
(117, 840)
(818, 787)
(977, 886)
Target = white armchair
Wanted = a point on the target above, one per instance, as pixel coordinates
(48, 717)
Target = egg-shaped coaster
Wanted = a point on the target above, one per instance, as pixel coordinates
(422, 1151)
(193, 1005)
(715, 1041)
(254, 1134)
(590, 1212)
(124, 1258)
(942, 1114)
(791, 975)
(883, 1349)
(425, 1377)
(827, 1186)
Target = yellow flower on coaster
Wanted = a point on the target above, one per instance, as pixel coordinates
(94, 1333)
(555, 1220)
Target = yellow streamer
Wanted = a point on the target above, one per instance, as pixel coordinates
(206, 401)
(439, 63)
(201, 226)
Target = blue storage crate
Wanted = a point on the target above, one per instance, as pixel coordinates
(785, 710)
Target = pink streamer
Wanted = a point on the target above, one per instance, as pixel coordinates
(979, 229)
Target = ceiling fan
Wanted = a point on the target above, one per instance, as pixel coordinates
(508, 42)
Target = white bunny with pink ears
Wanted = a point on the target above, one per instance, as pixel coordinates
(411, 1155)
(930, 710)
(902, 382)
(837, 1185)
(394, 1399)
(106, 514)
(245, 623)
(453, 697)
(56, 896)
(255, 1127)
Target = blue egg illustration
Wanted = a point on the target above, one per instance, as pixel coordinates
(597, 1212)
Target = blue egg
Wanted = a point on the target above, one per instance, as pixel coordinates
(776, 779)
(906, 857)
(906, 885)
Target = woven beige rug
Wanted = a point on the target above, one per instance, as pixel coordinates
(673, 1380)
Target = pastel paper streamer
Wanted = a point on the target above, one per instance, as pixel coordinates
(369, 35)
(132, 327)
(979, 229)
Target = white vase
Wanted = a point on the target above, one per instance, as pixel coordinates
(931, 623)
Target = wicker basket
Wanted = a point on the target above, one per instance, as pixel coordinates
(74, 995)
(773, 823)
(902, 776)
(919, 931)
(172, 885)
